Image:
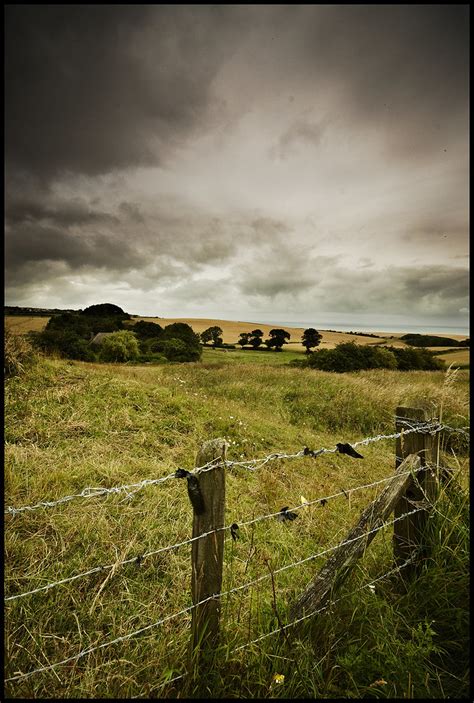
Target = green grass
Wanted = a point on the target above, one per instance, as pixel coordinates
(248, 356)
(72, 424)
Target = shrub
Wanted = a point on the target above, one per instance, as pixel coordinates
(417, 359)
(119, 346)
(182, 331)
(18, 352)
(72, 322)
(177, 350)
(65, 343)
(349, 356)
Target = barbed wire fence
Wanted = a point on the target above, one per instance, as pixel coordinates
(430, 427)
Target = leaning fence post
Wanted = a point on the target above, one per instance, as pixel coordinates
(421, 492)
(207, 554)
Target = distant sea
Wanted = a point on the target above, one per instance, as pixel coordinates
(364, 327)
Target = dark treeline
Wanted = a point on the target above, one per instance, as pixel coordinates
(31, 312)
(429, 340)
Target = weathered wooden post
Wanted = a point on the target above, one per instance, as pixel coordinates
(353, 547)
(423, 491)
(207, 553)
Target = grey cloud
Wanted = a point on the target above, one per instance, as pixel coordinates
(68, 213)
(301, 132)
(154, 239)
(320, 283)
(89, 89)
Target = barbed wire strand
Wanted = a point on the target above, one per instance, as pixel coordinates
(295, 622)
(93, 492)
(89, 650)
(99, 569)
(329, 605)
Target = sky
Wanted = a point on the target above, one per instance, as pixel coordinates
(250, 162)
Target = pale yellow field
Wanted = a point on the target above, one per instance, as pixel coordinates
(457, 357)
(19, 325)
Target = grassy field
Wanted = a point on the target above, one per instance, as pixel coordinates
(71, 425)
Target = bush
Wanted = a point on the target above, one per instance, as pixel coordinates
(182, 331)
(349, 356)
(72, 322)
(177, 350)
(18, 353)
(119, 347)
(417, 359)
(85, 325)
(64, 342)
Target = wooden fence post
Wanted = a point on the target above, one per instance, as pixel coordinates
(207, 553)
(407, 531)
(339, 564)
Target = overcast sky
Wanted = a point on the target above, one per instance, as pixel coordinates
(252, 162)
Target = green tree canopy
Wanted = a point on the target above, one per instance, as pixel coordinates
(119, 346)
(243, 338)
(147, 330)
(106, 310)
(277, 339)
(311, 338)
(256, 338)
(212, 334)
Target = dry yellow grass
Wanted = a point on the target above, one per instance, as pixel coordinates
(456, 357)
(17, 324)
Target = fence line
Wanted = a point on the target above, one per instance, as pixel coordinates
(251, 464)
(188, 609)
(140, 558)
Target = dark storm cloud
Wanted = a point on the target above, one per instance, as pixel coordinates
(171, 238)
(34, 243)
(93, 88)
(74, 212)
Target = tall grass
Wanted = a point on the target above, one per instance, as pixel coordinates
(72, 424)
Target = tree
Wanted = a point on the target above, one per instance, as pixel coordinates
(180, 330)
(71, 322)
(244, 339)
(65, 342)
(119, 346)
(177, 350)
(256, 338)
(106, 310)
(311, 338)
(277, 339)
(147, 330)
(212, 334)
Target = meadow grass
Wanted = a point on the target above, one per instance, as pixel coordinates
(71, 424)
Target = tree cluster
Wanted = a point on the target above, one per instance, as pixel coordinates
(70, 335)
(430, 340)
(349, 356)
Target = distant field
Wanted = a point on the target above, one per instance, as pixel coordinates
(232, 329)
(457, 357)
(20, 325)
